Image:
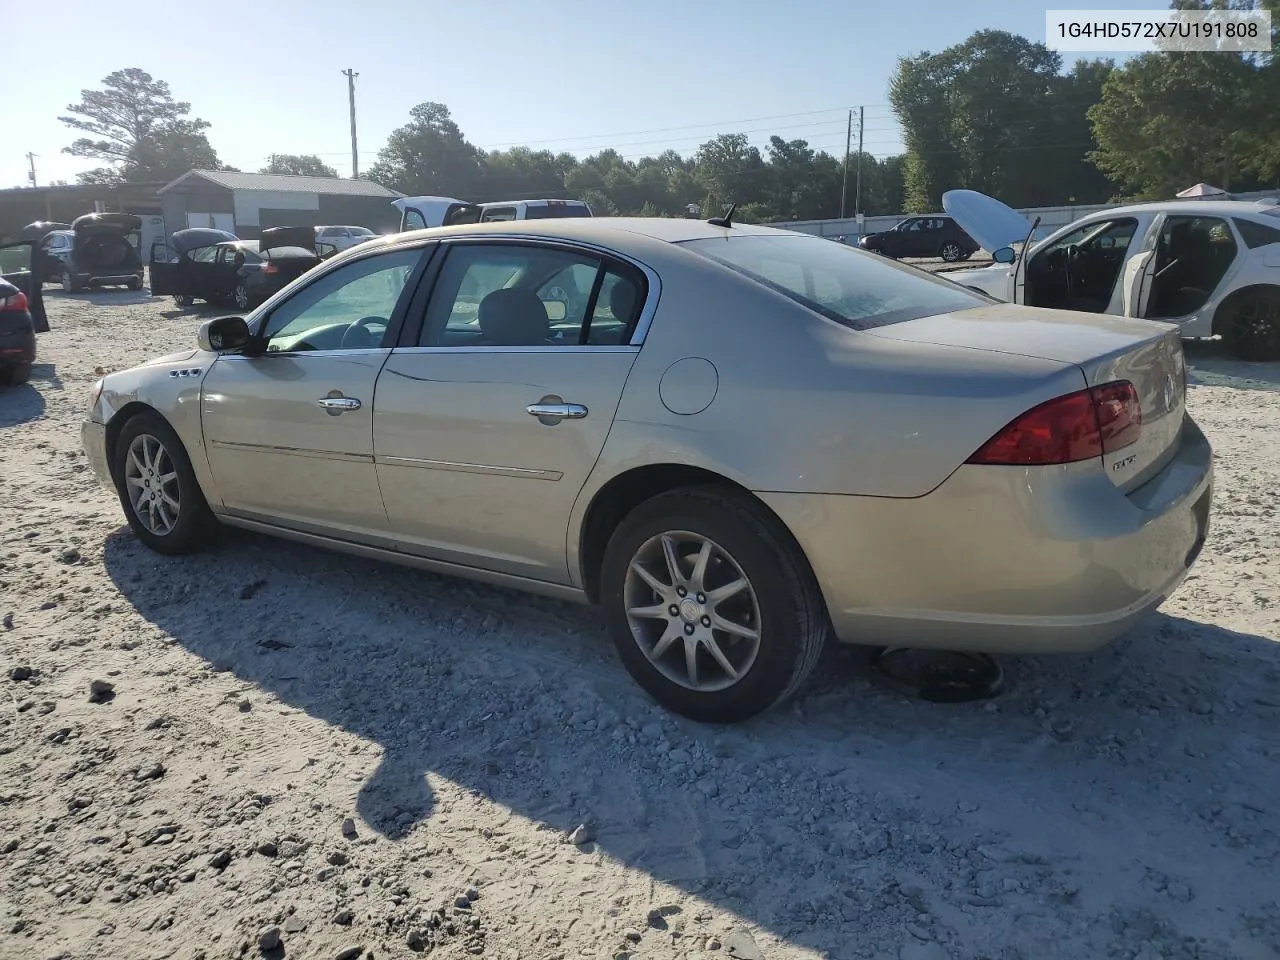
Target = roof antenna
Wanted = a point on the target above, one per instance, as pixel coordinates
(726, 220)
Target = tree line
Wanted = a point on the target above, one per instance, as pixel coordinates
(996, 113)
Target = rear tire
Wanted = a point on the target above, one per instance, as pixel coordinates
(17, 374)
(135, 284)
(69, 284)
(951, 252)
(158, 489)
(183, 300)
(753, 617)
(240, 296)
(1251, 327)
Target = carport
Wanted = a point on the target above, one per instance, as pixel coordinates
(247, 203)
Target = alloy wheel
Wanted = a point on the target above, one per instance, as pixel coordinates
(67, 285)
(692, 611)
(242, 297)
(151, 480)
(951, 252)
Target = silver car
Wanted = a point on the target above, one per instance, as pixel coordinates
(736, 440)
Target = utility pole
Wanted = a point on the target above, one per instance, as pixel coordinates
(844, 179)
(31, 162)
(857, 190)
(351, 96)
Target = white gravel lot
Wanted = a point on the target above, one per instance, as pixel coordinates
(1119, 804)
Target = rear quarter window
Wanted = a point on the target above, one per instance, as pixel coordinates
(854, 288)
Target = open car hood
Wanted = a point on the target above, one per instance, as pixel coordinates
(986, 219)
(272, 237)
(184, 240)
(42, 228)
(440, 211)
(106, 223)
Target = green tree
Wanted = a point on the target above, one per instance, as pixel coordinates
(138, 129)
(298, 165)
(429, 155)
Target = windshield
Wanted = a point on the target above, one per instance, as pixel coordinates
(549, 211)
(360, 232)
(858, 289)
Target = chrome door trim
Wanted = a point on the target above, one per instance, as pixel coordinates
(293, 451)
(485, 468)
(557, 348)
(351, 352)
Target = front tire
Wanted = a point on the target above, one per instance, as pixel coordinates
(184, 300)
(711, 605)
(158, 489)
(1252, 325)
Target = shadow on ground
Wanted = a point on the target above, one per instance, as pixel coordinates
(25, 402)
(851, 800)
(1213, 365)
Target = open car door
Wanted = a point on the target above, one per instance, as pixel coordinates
(163, 270)
(1138, 274)
(20, 265)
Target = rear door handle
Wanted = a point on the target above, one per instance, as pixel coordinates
(337, 405)
(555, 412)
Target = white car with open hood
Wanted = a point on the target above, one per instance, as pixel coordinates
(1210, 266)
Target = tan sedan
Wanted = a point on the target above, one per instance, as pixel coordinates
(736, 440)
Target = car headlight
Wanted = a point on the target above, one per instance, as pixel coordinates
(95, 393)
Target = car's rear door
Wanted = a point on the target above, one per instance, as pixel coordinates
(488, 423)
(20, 265)
(162, 270)
(289, 433)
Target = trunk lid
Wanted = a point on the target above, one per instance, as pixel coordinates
(273, 237)
(1105, 348)
(106, 223)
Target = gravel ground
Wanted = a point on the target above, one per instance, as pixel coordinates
(272, 750)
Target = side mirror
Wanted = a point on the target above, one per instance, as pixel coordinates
(1004, 255)
(223, 334)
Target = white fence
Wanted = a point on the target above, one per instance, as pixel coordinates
(1051, 218)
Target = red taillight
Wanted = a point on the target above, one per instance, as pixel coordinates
(16, 302)
(270, 268)
(1078, 426)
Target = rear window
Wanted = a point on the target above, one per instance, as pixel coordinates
(285, 253)
(858, 289)
(550, 211)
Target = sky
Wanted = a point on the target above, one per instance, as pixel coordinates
(572, 75)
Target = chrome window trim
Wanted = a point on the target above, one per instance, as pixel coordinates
(348, 352)
(549, 348)
(653, 282)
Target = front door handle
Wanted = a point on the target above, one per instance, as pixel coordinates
(336, 405)
(555, 412)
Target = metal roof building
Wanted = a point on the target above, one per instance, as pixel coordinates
(247, 203)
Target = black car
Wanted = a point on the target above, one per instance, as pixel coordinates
(931, 236)
(99, 250)
(21, 310)
(219, 268)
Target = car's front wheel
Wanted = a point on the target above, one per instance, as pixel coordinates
(183, 300)
(1252, 325)
(158, 489)
(711, 606)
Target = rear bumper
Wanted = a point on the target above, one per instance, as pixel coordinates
(88, 279)
(1006, 559)
(93, 437)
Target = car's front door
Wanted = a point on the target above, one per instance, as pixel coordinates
(289, 432)
(21, 265)
(488, 424)
(224, 273)
(197, 273)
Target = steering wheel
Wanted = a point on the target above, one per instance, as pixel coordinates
(361, 334)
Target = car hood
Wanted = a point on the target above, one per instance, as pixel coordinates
(106, 223)
(991, 223)
(272, 237)
(184, 240)
(178, 357)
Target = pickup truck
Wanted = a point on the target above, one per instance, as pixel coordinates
(418, 213)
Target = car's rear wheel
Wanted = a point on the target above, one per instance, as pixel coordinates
(951, 252)
(241, 296)
(1252, 325)
(158, 489)
(135, 284)
(183, 300)
(710, 604)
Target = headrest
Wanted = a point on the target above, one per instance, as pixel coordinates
(622, 300)
(514, 317)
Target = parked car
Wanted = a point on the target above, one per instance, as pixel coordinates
(417, 213)
(744, 440)
(22, 313)
(1208, 266)
(239, 273)
(100, 250)
(932, 236)
(343, 238)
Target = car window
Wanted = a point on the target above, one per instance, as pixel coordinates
(15, 259)
(204, 254)
(852, 287)
(360, 232)
(526, 295)
(227, 255)
(498, 213)
(413, 220)
(1096, 235)
(617, 307)
(1256, 234)
(349, 308)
